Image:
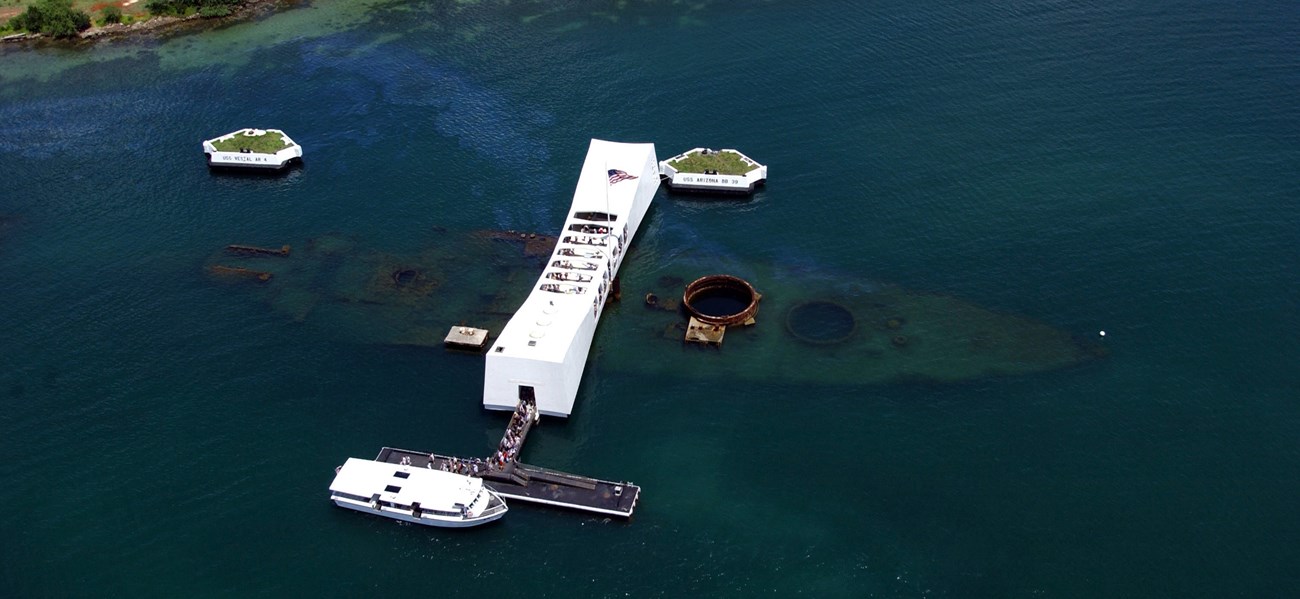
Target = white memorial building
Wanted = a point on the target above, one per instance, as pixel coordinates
(542, 351)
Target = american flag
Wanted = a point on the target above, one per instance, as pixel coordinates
(616, 175)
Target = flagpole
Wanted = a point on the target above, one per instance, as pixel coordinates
(609, 222)
(609, 259)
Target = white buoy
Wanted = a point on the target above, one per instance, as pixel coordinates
(1102, 333)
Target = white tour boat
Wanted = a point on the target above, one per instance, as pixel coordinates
(412, 494)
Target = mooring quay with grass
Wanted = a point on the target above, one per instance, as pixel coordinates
(252, 149)
(704, 170)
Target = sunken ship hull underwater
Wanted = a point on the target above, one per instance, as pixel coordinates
(813, 327)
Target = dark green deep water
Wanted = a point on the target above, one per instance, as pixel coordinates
(1122, 166)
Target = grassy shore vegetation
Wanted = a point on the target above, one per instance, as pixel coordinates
(66, 18)
(266, 143)
(55, 18)
(205, 8)
(725, 163)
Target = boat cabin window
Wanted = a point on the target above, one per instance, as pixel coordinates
(600, 217)
(392, 489)
(400, 474)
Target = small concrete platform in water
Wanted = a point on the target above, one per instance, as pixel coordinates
(698, 332)
(466, 338)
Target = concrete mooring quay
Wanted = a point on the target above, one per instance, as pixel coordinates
(511, 479)
(537, 485)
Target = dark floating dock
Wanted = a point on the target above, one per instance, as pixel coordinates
(513, 480)
(537, 485)
(561, 489)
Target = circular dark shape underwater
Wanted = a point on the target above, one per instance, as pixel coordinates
(821, 322)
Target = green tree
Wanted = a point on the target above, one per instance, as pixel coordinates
(111, 14)
(205, 8)
(160, 7)
(54, 18)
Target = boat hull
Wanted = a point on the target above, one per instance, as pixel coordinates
(426, 519)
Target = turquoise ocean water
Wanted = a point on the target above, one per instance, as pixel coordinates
(1121, 166)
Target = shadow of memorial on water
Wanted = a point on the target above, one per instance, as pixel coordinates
(811, 326)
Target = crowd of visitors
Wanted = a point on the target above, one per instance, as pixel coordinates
(506, 451)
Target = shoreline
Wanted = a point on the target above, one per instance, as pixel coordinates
(249, 10)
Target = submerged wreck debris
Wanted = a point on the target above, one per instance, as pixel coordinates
(535, 245)
(372, 296)
(715, 302)
(821, 322)
(835, 330)
(666, 304)
(853, 333)
(405, 276)
(708, 334)
(721, 300)
(235, 271)
(250, 249)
